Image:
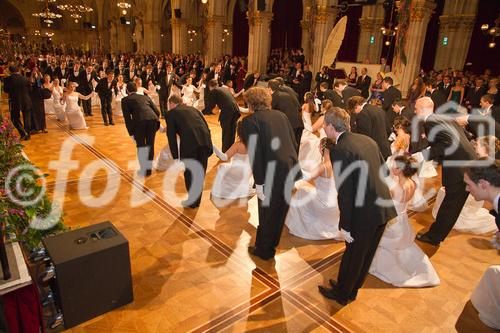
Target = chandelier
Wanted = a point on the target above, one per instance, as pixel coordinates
(76, 10)
(494, 32)
(47, 15)
(123, 5)
(391, 29)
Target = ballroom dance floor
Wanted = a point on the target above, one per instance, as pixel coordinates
(191, 270)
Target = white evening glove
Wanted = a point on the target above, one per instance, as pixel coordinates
(222, 156)
(260, 192)
(392, 137)
(158, 88)
(347, 236)
(162, 129)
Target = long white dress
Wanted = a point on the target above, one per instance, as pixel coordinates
(200, 102)
(121, 92)
(398, 260)
(314, 212)
(48, 104)
(95, 100)
(473, 218)
(74, 114)
(486, 297)
(58, 105)
(309, 153)
(188, 96)
(154, 94)
(234, 179)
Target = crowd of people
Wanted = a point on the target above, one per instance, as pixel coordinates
(323, 130)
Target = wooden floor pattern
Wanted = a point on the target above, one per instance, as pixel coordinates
(191, 270)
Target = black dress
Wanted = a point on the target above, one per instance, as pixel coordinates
(38, 114)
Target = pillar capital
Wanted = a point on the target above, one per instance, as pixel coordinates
(305, 24)
(214, 20)
(259, 17)
(323, 14)
(421, 10)
(450, 22)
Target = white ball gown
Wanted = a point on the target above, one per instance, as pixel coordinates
(74, 114)
(200, 102)
(234, 179)
(121, 92)
(95, 100)
(48, 104)
(473, 218)
(398, 260)
(314, 212)
(188, 96)
(309, 153)
(154, 94)
(59, 106)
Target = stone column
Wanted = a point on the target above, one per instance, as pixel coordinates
(215, 45)
(419, 16)
(152, 38)
(228, 39)
(259, 40)
(179, 36)
(124, 38)
(370, 26)
(306, 39)
(323, 23)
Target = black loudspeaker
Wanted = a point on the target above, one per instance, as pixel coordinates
(123, 20)
(93, 276)
(261, 5)
(177, 13)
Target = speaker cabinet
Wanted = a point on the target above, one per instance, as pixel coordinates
(93, 275)
(177, 13)
(261, 5)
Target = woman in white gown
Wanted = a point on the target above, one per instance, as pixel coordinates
(48, 101)
(57, 93)
(398, 260)
(474, 218)
(314, 212)
(153, 93)
(95, 100)
(234, 178)
(121, 91)
(309, 154)
(73, 112)
(200, 102)
(188, 92)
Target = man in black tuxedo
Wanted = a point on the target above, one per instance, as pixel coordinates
(61, 73)
(148, 76)
(399, 108)
(488, 115)
(85, 87)
(18, 88)
(347, 92)
(307, 77)
(284, 88)
(390, 93)
(363, 83)
(195, 145)
(74, 73)
(104, 89)
(371, 121)
(363, 215)
(141, 119)
(51, 70)
(473, 99)
(483, 183)
(331, 95)
(251, 80)
(271, 141)
(166, 79)
(435, 94)
(285, 103)
(445, 86)
(229, 112)
(443, 132)
(214, 74)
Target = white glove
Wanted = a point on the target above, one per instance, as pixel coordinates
(260, 192)
(158, 88)
(132, 137)
(347, 236)
(222, 156)
(162, 129)
(392, 137)
(243, 110)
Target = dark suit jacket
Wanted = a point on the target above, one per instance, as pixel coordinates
(225, 101)
(442, 132)
(60, 75)
(391, 116)
(145, 79)
(356, 148)
(285, 103)
(85, 86)
(137, 108)
(166, 81)
(249, 80)
(438, 98)
(129, 74)
(364, 85)
(18, 88)
(372, 122)
(307, 81)
(349, 92)
(290, 91)
(72, 76)
(265, 126)
(102, 88)
(192, 128)
(479, 127)
(390, 95)
(335, 98)
(443, 90)
(474, 96)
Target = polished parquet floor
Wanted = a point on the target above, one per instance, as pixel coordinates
(191, 270)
